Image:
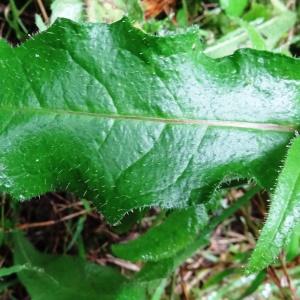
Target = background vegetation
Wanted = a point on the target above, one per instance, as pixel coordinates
(60, 223)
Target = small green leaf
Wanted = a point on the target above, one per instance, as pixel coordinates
(258, 11)
(284, 213)
(166, 239)
(64, 277)
(182, 18)
(234, 8)
(255, 284)
(153, 271)
(255, 37)
(133, 9)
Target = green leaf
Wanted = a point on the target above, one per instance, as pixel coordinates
(234, 8)
(64, 277)
(283, 215)
(166, 239)
(293, 245)
(203, 238)
(255, 284)
(153, 271)
(182, 17)
(148, 281)
(129, 120)
(256, 11)
(154, 274)
(255, 37)
(133, 9)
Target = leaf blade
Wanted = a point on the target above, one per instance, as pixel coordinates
(166, 239)
(283, 215)
(63, 130)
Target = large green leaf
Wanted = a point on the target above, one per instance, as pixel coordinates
(131, 120)
(284, 213)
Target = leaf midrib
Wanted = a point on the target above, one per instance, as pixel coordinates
(182, 121)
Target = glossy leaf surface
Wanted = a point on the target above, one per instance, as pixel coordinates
(130, 120)
(284, 213)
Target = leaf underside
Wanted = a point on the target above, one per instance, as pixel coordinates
(131, 120)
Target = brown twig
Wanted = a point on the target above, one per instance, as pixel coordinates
(286, 274)
(52, 222)
(118, 262)
(43, 10)
(184, 289)
(272, 273)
